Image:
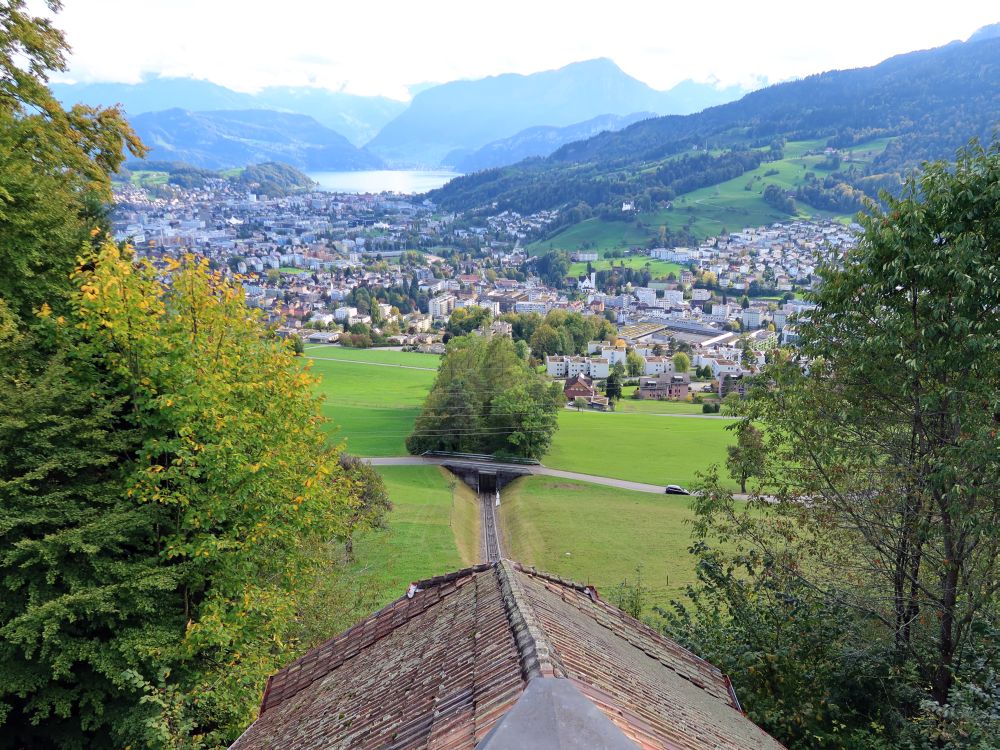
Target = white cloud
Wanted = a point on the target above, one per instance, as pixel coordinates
(383, 46)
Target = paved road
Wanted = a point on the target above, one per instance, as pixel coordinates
(623, 484)
(570, 407)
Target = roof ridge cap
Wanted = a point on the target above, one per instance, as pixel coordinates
(569, 583)
(538, 658)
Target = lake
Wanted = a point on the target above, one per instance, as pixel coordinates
(379, 180)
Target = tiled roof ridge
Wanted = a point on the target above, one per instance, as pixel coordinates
(442, 579)
(582, 588)
(538, 658)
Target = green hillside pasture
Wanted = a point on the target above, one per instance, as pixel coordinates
(370, 405)
(639, 447)
(600, 535)
(658, 268)
(707, 211)
(433, 528)
(595, 235)
(147, 177)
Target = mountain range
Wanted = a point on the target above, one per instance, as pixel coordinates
(235, 138)
(357, 118)
(540, 140)
(921, 105)
(467, 115)
(442, 122)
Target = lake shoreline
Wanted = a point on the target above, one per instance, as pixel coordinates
(403, 181)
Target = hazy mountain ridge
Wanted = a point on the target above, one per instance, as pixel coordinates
(931, 102)
(235, 138)
(467, 115)
(454, 118)
(357, 118)
(540, 140)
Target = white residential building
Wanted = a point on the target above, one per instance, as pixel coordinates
(525, 306)
(751, 319)
(645, 296)
(343, 314)
(441, 306)
(725, 367)
(596, 368)
(658, 366)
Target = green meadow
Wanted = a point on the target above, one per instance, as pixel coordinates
(377, 356)
(148, 177)
(433, 528)
(600, 535)
(372, 403)
(639, 447)
(629, 405)
(595, 235)
(658, 268)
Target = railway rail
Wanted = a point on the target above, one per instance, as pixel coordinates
(492, 550)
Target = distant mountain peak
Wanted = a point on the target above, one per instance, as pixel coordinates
(991, 31)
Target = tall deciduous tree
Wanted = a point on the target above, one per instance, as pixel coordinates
(746, 458)
(487, 399)
(635, 363)
(54, 164)
(886, 451)
(682, 362)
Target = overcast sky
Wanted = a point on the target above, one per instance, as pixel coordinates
(384, 46)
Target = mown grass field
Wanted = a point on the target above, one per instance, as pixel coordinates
(433, 528)
(379, 356)
(372, 404)
(639, 447)
(628, 405)
(600, 535)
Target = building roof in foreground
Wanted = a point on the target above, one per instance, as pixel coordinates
(500, 656)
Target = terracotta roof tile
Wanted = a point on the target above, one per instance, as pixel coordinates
(440, 667)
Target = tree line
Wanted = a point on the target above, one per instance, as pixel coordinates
(173, 522)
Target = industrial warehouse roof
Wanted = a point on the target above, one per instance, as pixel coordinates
(499, 656)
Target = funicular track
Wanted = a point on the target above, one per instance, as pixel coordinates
(492, 551)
